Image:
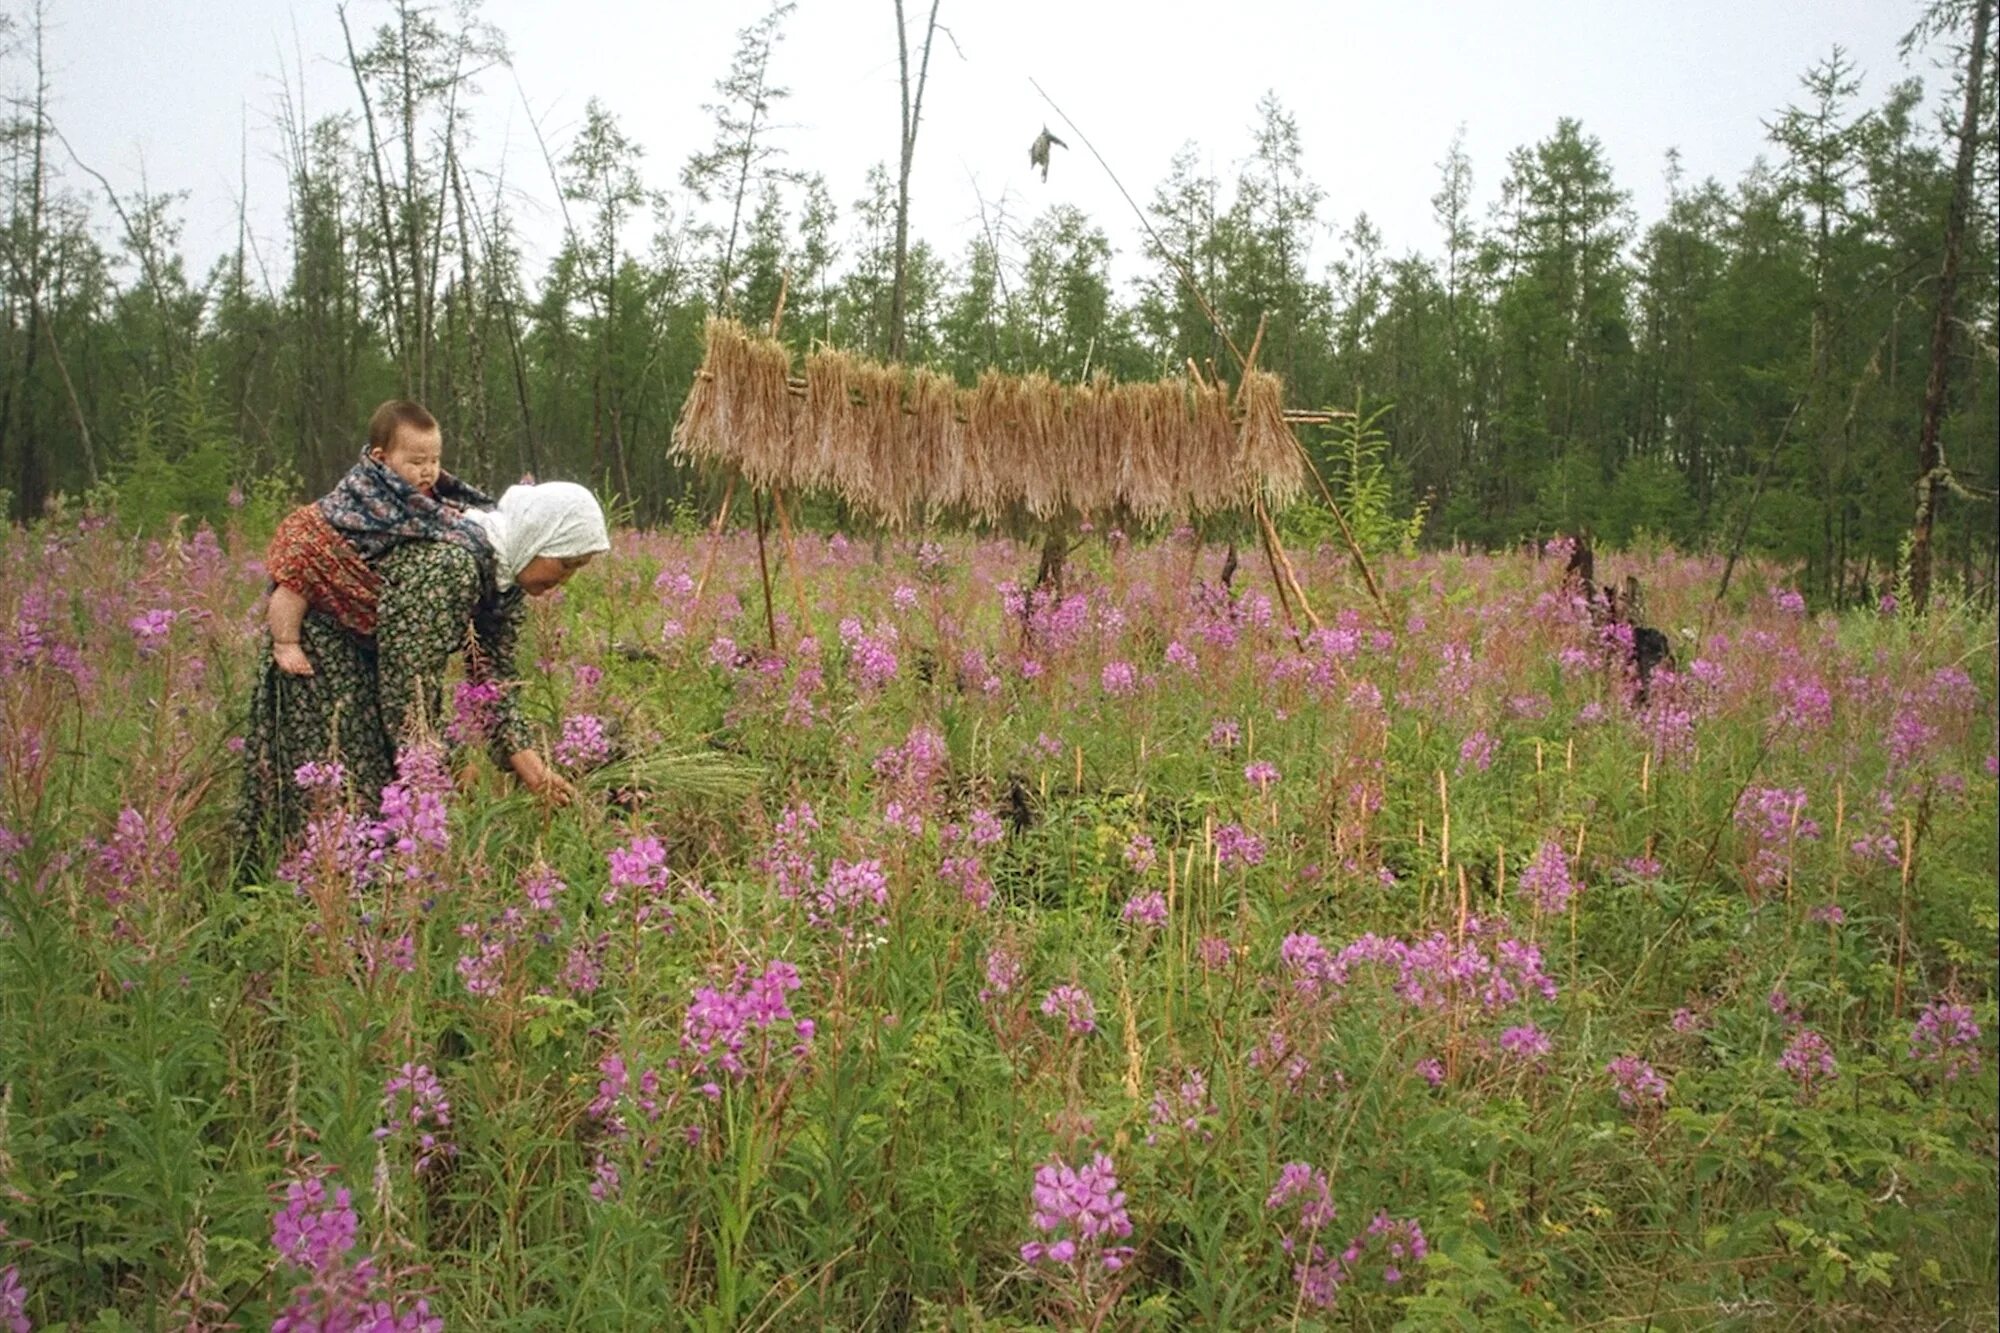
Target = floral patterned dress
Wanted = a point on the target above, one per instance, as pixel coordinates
(365, 696)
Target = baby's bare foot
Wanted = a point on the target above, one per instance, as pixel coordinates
(291, 659)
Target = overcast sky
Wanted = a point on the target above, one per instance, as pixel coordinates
(1377, 88)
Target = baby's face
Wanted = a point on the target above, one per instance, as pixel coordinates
(417, 456)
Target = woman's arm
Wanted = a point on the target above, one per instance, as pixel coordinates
(496, 629)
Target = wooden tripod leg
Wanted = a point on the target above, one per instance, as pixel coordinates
(791, 555)
(714, 540)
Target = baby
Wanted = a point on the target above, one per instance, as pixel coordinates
(322, 554)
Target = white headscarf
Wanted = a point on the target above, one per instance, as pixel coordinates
(554, 518)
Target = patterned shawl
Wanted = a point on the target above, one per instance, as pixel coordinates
(376, 511)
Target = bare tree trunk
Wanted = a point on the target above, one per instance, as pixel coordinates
(1930, 457)
(412, 218)
(476, 324)
(913, 112)
(398, 327)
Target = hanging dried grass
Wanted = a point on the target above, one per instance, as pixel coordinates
(937, 439)
(737, 410)
(893, 442)
(1268, 458)
(830, 424)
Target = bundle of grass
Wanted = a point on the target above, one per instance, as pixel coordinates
(738, 410)
(882, 477)
(937, 440)
(1151, 422)
(694, 775)
(1267, 454)
(1208, 475)
(826, 459)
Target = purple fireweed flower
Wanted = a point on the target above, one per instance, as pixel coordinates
(1946, 1035)
(1476, 752)
(1305, 1185)
(413, 807)
(1773, 822)
(1431, 1070)
(1225, 734)
(985, 829)
(328, 775)
(540, 886)
(852, 894)
(1074, 1006)
(1308, 962)
(1146, 909)
(311, 1233)
(1808, 1058)
(1908, 738)
(1640, 870)
(1685, 1021)
(1638, 1083)
(1547, 881)
(475, 711)
(138, 853)
(1119, 678)
(1140, 854)
(13, 1301)
(483, 969)
(1214, 952)
(640, 865)
(968, 873)
(789, 861)
(583, 744)
(1077, 1210)
(1184, 1107)
(1003, 973)
(1883, 847)
(1826, 914)
(872, 656)
(1803, 704)
(605, 1179)
(737, 1032)
(151, 628)
(1402, 1240)
(340, 1293)
(1236, 846)
(414, 1099)
(1491, 970)
(1526, 1042)
(1262, 774)
(583, 966)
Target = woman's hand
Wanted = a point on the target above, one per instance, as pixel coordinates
(539, 778)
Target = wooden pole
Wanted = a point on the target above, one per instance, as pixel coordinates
(791, 552)
(764, 568)
(1278, 579)
(715, 537)
(1276, 548)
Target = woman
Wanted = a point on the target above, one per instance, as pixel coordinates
(364, 696)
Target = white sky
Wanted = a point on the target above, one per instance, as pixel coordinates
(1377, 88)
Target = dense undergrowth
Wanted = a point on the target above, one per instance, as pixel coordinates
(1115, 961)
